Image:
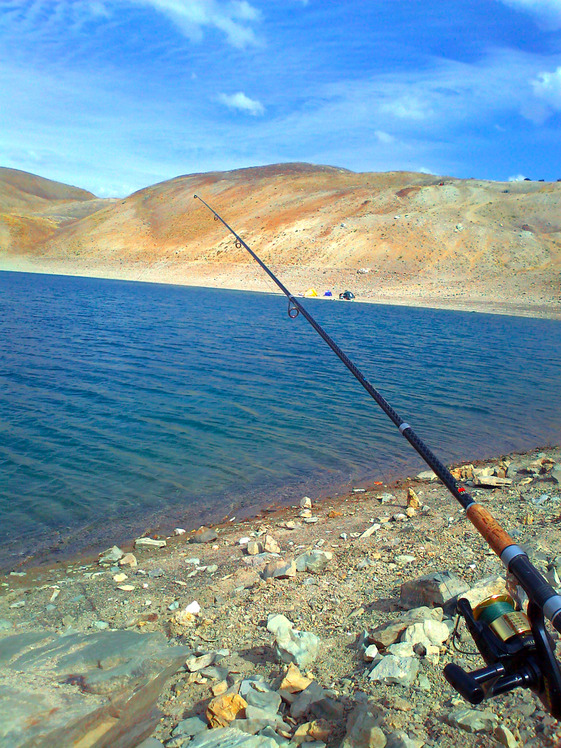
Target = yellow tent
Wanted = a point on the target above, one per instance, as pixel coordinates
(310, 292)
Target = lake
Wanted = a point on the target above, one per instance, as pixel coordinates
(129, 406)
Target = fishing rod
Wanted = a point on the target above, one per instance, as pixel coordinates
(516, 645)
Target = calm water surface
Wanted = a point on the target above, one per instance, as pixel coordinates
(128, 405)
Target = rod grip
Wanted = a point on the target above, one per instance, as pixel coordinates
(497, 538)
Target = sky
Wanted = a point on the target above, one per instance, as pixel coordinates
(116, 95)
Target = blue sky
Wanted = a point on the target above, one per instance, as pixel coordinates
(115, 95)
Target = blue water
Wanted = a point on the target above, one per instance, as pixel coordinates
(124, 406)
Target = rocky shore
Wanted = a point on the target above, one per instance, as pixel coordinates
(323, 624)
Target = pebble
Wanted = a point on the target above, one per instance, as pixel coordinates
(203, 535)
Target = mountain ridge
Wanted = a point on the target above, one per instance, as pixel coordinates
(415, 238)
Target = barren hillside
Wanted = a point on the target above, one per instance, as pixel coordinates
(422, 239)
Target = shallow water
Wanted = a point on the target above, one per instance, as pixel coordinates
(126, 405)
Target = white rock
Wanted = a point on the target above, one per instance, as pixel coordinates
(149, 543)
(306, 503)
(179, 531)
(370, 531)
(193, 608)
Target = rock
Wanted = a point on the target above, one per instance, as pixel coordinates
(306, 513)
(464, 472)
(427, 475)
(203, 535)
(225, 708)
(270, 545)
(229, 737)
(491, 481)
(279, 569)
(401, 671)
(194, 663)
(119, 577)
(412, 499)
(180, 621)
(438, 588)
(269, 701)
(254, 547)
(316, 730)
(302, 703)
(504, 736)
(129, 559)
(401, 649)
(472, 720)
(388, 633)
(193, 608)
(149, 543)
(294, 681)
(369, 531)
(363, 729)
(179, 531)
(189, 727)
(431, 632)
(306, 503)
(69, 690)
(400, 739)
(313, 561)
(370, 653)
(495, 585)
(110, 556)
(299, 647)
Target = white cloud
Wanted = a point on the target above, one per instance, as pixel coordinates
(234, 18)
(517, 178)
(547, 86)
(243, 103)
(192, 16)
(384, 137)
(547, 12)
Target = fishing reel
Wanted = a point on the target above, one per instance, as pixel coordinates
(517, 648)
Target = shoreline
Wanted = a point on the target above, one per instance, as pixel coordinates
(387, 291)
(374, 548)
(241, 516)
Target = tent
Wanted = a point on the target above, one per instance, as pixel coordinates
(310, 292)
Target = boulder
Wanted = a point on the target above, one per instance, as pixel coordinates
(90, 689)
(438, 588)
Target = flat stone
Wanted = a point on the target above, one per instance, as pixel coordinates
(229, 737)
(149, 543)
(400, 671)
(472, 720)
(190, 727)
(389, 633)
(66, 690)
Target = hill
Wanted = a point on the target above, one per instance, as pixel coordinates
(398, 237)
